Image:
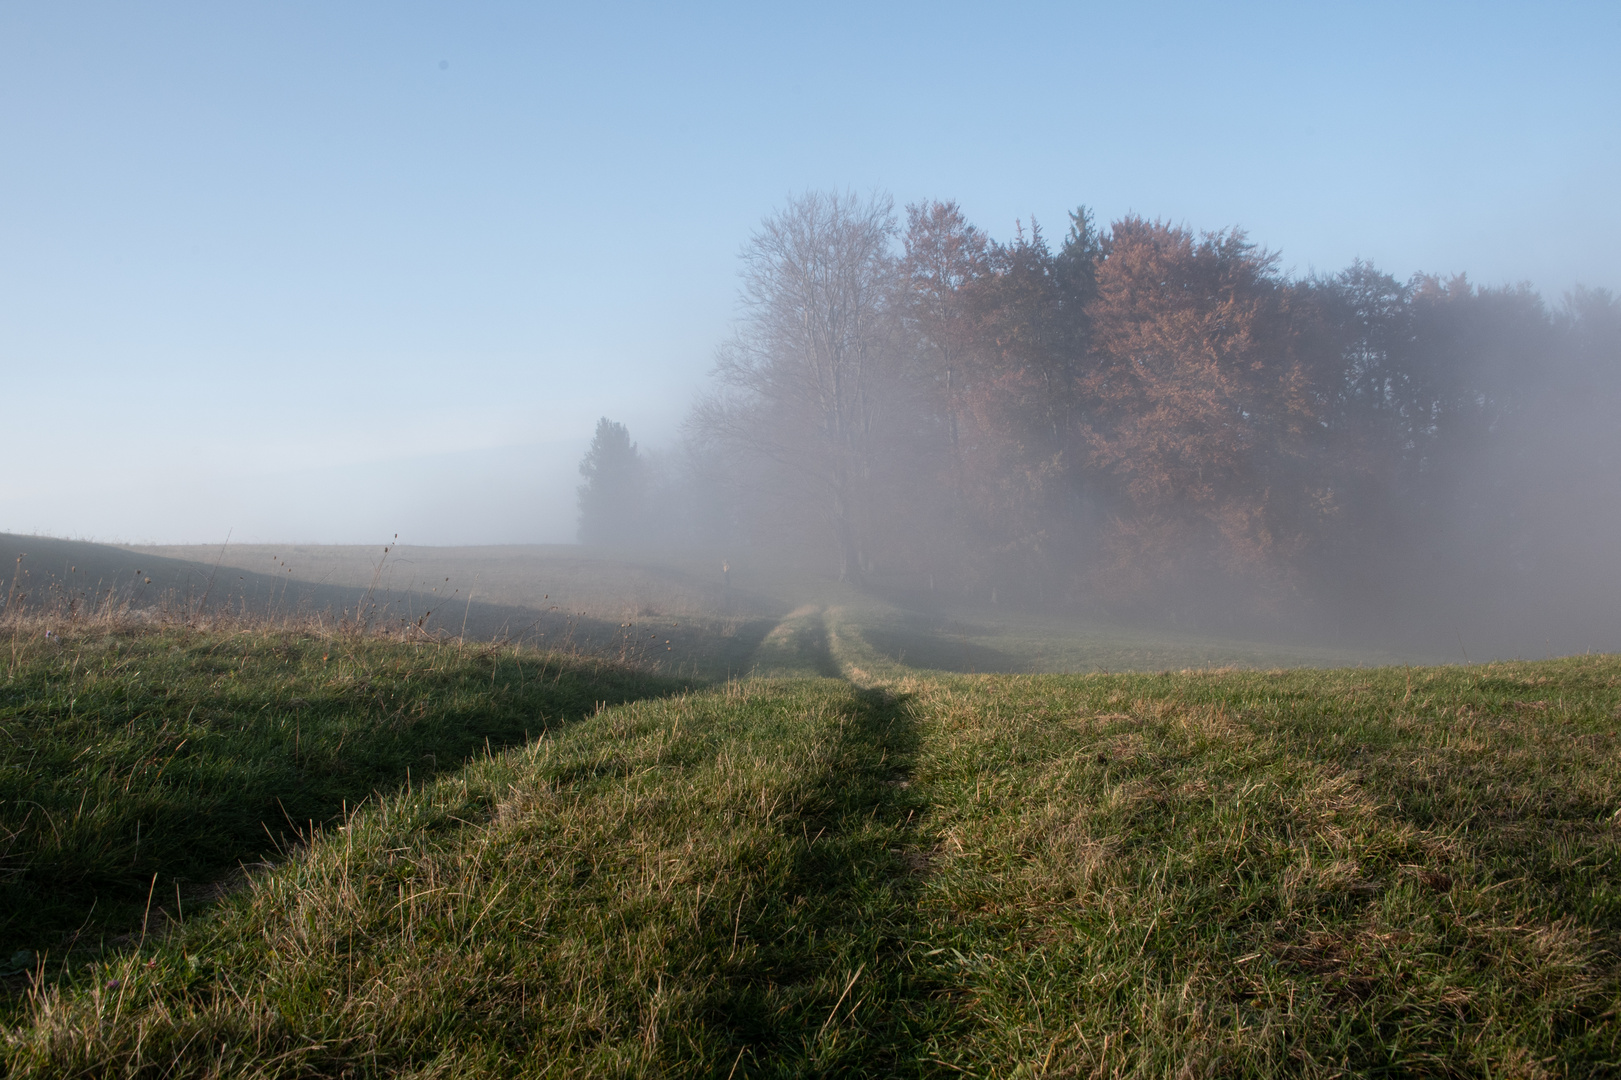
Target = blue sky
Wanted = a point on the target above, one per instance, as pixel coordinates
(323, 272)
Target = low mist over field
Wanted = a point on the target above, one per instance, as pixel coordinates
(1058, 312)
(1151, 421)
(1139, 423)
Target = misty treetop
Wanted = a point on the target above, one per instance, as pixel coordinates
(1153, 419)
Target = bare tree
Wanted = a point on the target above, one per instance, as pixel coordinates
(802, 375)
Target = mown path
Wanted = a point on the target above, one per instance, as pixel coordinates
(1408, 872)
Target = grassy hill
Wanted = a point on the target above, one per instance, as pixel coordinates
(239, 849)
(658, 617)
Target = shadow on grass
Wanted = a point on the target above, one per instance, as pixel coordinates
(809, 641)
(745, 643)
(916, 642)
(141, 770)
(827, 988)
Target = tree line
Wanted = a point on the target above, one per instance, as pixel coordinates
(1150, 419)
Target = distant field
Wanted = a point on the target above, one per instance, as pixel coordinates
(488, 861)
(536, 577)
(526, 591)
(664, 616)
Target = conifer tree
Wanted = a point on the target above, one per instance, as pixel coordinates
(612, 497)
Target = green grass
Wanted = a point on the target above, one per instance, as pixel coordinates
(680, 883)
(1319, 872)
(964, 638)
(150, 763)
(1259, 874)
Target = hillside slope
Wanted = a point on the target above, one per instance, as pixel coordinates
(1255, 873)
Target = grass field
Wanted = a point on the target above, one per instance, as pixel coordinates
(675, 614)
(378, 855)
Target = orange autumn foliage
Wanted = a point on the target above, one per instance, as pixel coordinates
(1198, 406)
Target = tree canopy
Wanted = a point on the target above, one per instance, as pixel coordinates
(1149, 418)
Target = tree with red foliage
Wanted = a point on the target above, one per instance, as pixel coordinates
(1199, 408)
